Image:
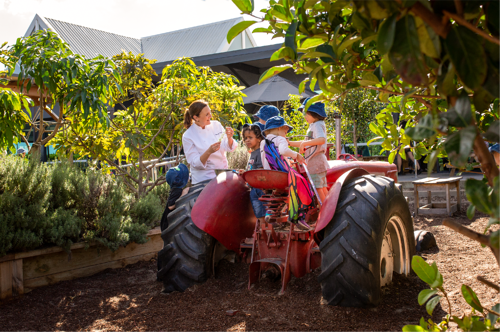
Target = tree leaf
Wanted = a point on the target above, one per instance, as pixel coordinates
(311, 42)
(348, 41)
(238, 28)
(471, 298)
(386, 33)
(423, 270)
(493, 132)
(282, 53)
(290, 40)
(467, 54)
(246, 6)
(413, 328)
(477, 193)
(425, 295)
(429, 40)
(273, 71)
(405, 55)
(431, 304)
(458, 145)
(424, 129)
(492, 317)
(471, 211)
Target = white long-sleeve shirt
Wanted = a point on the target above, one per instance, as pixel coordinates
(196, 141)
(281, 144)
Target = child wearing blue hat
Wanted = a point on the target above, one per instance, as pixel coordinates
(314, 146)
(177, 178)
(275, 130)
(266, 112)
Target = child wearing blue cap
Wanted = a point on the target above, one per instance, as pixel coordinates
(266, 112)
(177, 178)
(314, 146)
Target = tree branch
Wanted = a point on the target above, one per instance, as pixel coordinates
(430, 18)
(460, 20)
(485, 158)
(488, 283)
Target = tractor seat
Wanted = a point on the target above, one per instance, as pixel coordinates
(266, 179)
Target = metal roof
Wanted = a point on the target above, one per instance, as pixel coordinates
(190, 42)
(92, 42)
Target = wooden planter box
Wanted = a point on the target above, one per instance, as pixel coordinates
(22, 272)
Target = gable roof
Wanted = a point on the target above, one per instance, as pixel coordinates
(87, 41)
(190, 42)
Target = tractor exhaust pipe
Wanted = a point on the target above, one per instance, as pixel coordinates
(338, 146)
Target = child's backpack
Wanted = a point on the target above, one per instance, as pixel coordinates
(300, 195)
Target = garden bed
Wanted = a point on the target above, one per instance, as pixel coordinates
(24, 271)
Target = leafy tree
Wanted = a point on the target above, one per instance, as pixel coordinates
(14, 107)
(148, 123)
(435, 62)
(76, 84)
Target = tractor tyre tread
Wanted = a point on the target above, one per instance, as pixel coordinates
(350, 249)
(186, 257)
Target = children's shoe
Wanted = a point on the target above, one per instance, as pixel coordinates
(303, 225)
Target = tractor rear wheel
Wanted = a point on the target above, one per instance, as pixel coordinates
(186, 257)
(369, 238)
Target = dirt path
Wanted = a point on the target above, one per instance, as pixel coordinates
(130, 299)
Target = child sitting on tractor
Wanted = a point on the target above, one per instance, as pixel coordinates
(177, 178)
(314, 146)
(252, 136)
(274, 148)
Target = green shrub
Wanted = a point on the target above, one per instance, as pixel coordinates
(238, 159)
(42, 205)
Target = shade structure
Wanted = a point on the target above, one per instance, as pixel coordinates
(273, 89)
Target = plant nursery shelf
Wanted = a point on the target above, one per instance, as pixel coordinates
(24, 271)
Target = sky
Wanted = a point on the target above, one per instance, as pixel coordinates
(131, 18)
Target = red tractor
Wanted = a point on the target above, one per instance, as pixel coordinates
(360, 235)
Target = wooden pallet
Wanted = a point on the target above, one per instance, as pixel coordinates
(22, 272)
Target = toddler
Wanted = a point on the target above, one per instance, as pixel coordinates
(314, 147)
(252, 136)
(273, 149)
(177, 178)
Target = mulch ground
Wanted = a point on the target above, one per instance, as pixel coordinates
(130, 299)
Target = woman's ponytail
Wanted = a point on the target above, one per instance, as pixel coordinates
(194, 110)
(188, 120)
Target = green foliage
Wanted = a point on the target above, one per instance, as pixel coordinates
(238, 159)
(149, 123)
(42, 204)
(14, 107)
(431, 298)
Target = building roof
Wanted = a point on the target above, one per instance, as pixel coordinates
(195, 41)
(190, 42)
(87, 41)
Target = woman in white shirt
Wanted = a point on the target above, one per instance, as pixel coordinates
(205, 142)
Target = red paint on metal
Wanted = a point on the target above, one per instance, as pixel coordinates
(347, 157)
(266, 179)
(337, 175)
(224, 211)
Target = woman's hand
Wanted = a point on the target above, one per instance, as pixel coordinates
(229, 132)
(300, 158)
(214, 148)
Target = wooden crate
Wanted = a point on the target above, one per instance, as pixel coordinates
(22, 272)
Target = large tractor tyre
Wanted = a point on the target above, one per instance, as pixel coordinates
(369, 238)
(186, 257)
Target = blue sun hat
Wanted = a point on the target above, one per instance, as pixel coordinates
(267, 111)
(495, 148)
(258, 124)
(21, 150)
(276, 122)
(177, 177)
(318, 108)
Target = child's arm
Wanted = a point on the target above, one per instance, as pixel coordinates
(295, 144)
(316, 141)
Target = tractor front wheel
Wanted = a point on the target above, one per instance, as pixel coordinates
(369, 238)
(186, 257)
